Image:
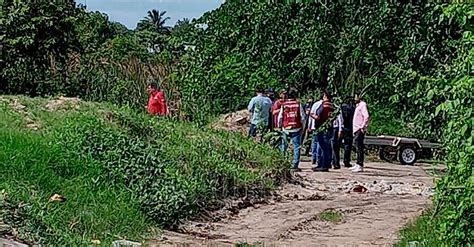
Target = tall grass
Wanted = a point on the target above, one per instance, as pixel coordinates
(420, 232)
(33, 168)
(121, 171)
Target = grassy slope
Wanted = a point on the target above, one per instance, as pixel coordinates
(420, 232)
(122, 172)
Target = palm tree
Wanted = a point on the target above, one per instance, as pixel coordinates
(155, 20)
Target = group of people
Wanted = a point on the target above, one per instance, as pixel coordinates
(330, 127)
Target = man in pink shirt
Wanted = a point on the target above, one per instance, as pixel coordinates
(359, 125)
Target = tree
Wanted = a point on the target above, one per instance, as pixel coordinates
(37, 38)
(182, 35)
(95, 28)
(155, 21)
(382, 47)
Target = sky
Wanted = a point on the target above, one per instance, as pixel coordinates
(129, 12)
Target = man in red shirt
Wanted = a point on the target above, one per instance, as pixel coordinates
(157, 102)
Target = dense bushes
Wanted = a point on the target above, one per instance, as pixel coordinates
(119, 170)
(452, 218)
(455, 192)
(60, 48)
(174, 169)
(382, 49)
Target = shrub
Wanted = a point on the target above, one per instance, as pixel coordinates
(120, 170)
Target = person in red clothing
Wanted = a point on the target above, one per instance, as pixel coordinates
(157, 102)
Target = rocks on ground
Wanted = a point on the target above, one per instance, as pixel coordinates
(234, 122)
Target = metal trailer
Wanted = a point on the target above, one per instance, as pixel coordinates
(406, 150)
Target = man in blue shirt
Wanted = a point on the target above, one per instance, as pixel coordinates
(260, 107)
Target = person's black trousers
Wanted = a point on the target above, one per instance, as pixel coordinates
(347, 137)
(359, 142)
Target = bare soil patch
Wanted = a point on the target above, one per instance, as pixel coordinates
(17, 106)
(234, 122)
(372, 216)
(63, 103)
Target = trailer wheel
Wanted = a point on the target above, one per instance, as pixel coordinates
(388, 153)
(407, 155)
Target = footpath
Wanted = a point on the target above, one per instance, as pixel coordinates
(337, 208)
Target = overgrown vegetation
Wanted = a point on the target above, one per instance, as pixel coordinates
(412, 61)
(420, 233)
(52, 48)
(381, 49)
(452, 216)
(120, 171)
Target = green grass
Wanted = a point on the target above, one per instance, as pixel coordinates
(243, 244)
(123, 173)
(331, 216)
(31, 172)
(420, 232)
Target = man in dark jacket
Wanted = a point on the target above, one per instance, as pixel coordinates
(342, 133)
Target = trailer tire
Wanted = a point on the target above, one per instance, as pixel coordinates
(407, 155)
(386, 155)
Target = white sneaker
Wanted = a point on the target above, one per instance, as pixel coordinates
(358, 168)
(352, 167)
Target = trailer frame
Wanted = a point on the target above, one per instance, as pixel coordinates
(406, 150)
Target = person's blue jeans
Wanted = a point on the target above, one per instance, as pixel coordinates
(324, 140)
(295, 138)
(315, 150)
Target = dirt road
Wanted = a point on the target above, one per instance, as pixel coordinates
(337, 208)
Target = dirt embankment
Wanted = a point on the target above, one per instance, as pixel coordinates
(235, 122)
(338, 208)
(59, 103)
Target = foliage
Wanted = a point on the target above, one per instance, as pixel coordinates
(94, 29)
(182, 36)
(380, 49)
(36, 36)
(454, 200)
(135, 171)
(34, 166)
(154, 21)
(411, 61)
(61, 48)
(420, 232)
(454, 84)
